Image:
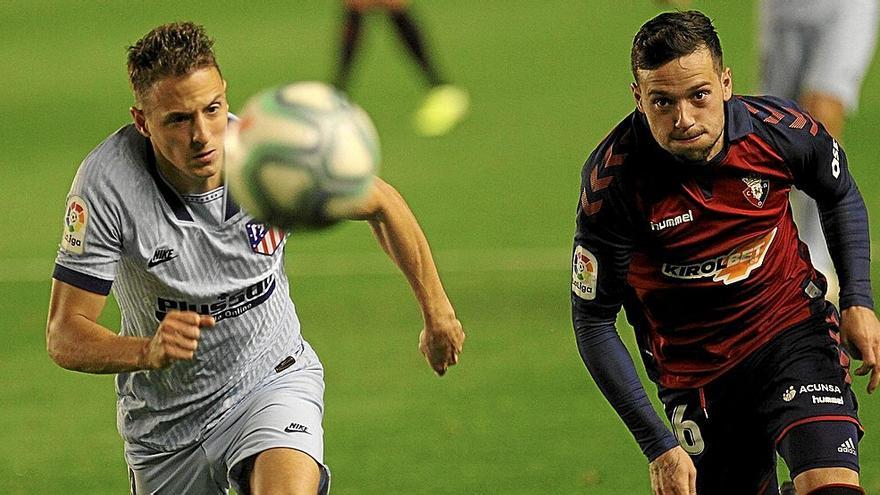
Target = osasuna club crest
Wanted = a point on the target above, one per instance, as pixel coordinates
(264, 239)
(756, 190)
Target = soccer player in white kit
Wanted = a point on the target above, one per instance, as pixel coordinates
(215, 383)
(817, 52)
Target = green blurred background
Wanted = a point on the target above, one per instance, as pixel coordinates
(496, 198)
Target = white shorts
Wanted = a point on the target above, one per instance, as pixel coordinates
(285, 411)
(817, 45)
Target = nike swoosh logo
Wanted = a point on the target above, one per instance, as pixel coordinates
(297, 430)
(154, 262)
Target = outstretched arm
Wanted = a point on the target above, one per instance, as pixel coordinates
(399, 234)
(603, 245)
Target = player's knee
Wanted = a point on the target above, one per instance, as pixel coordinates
(837, 489)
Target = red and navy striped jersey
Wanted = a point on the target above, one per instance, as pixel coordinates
(705, 259)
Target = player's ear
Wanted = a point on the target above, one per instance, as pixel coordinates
(637, 95)
(726, 84)
(140, 122)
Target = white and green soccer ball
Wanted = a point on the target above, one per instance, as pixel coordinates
(301, 156)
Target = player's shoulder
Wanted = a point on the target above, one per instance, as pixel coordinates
(780, 120)
(604, 170)
(620, 142)
(117, 162)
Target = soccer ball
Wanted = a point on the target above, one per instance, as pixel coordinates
(301, 156)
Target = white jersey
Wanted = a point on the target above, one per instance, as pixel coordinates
(128, 229)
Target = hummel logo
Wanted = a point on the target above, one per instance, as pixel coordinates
(673, 221)
(789, 394)
(847, 447)
(297, 428)
(161, 255)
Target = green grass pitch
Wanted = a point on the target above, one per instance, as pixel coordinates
(496, 198)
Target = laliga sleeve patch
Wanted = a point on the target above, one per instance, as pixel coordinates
(584, 273)
(75, 222)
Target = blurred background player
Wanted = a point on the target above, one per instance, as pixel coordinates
(215, 383)
(817, 52)
(445, 105)
(683, 220)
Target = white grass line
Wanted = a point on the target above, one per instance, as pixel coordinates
(448, 261)
(362, 262)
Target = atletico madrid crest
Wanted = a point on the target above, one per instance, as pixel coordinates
(264, 239)
(756, 190)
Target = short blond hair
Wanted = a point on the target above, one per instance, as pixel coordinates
(170, 50)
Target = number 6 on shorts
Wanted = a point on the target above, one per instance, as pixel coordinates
(687, 432)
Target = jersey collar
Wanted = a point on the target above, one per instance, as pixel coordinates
(232, 207)
(739, 123)
(170, 196)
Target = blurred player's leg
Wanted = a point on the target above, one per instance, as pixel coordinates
(445, 104)
(806, 217)
(827, 109)
(842, 49)
(414, 41)
(817, 52)
(784, 43)
(351, 34)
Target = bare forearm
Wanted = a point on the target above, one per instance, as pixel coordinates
(79, 344)
(399, 233)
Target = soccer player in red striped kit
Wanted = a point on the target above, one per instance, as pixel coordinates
(684, 221)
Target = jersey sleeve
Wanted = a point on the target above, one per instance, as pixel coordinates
(602, 248)
(91, 242)
(820, 169)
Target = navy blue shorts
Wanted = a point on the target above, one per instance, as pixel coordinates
(792, 396)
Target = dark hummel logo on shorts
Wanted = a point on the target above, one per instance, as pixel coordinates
(161, 255)
(297, 428)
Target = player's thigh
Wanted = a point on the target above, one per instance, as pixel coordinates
(783, 47)
(286, 413)
(809, 407)
(284, 471)
(731, 452)
(821, 453)
(170, 473)
(843, 49)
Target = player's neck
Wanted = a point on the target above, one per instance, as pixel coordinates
(718, 147)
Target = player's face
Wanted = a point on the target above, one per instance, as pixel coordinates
(185, 119)
(683, 102)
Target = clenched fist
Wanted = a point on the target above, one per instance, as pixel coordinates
(441, 343)
(177, 338)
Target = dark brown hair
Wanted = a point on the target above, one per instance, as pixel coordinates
(672, 35)
(169, 50)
